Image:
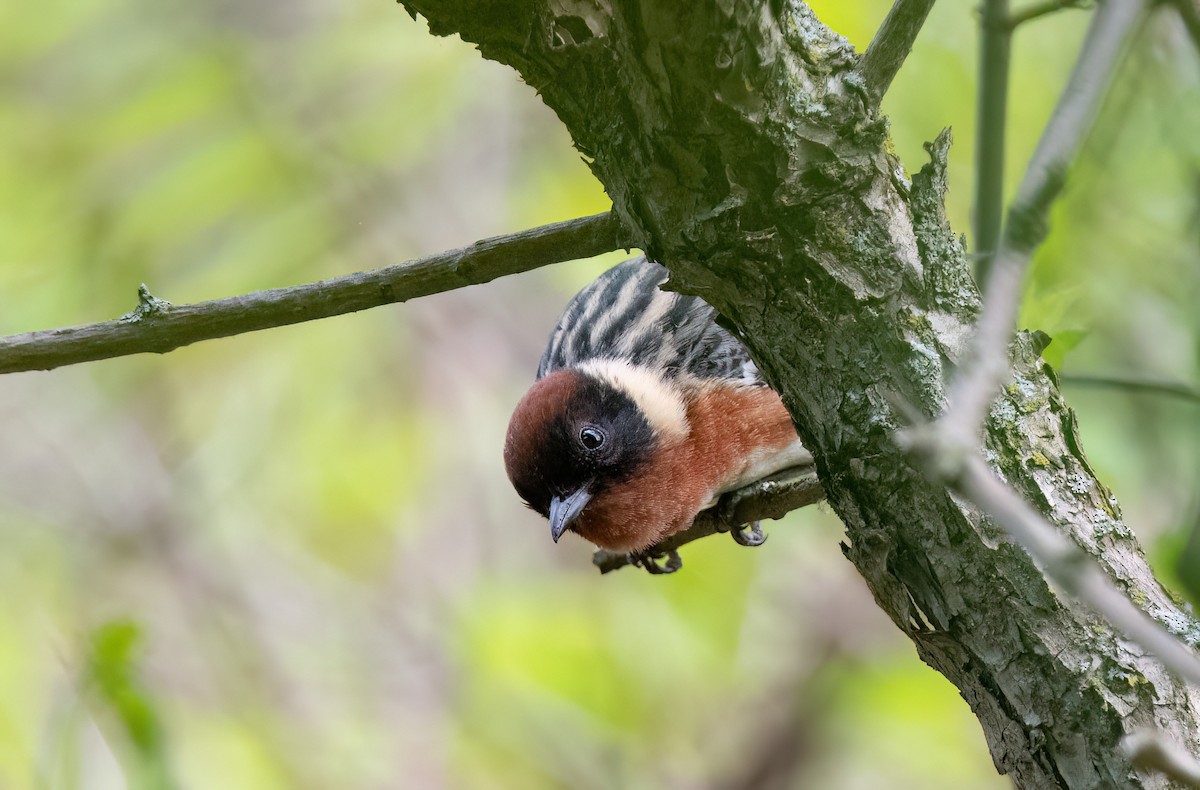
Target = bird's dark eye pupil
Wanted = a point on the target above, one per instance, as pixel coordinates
(591, 438)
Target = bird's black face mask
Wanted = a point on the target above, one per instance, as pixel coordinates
(600, 438)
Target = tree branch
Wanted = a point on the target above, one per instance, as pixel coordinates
(950, 445)
(769, 498)
(1132, 384)
(1147, 750)
(1036, 10)
(157, 326)
(1027, 223)
(952, 450)
(991, 111)
(891, 45)
(1064, 563)
(996, 26)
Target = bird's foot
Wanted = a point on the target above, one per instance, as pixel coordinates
(743, 534)
(649, 559)
(749, 534)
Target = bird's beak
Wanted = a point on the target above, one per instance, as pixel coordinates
(564, 510)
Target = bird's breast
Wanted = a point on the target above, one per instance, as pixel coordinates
(734, 431)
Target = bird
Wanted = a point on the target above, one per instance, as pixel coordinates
(643, 412)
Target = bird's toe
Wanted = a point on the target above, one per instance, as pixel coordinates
(749, 534)
(650, 559)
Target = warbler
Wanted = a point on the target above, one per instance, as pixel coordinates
(643, 413)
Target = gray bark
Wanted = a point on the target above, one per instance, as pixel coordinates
(742, 149)
(157, 326)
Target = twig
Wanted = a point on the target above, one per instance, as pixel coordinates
(771, 497)
(891, 45)
(159, 327)
(1026, 225)
(1151, 752)
(1133, 384)
(991, 111)
(1035, 10)
(1067, 565)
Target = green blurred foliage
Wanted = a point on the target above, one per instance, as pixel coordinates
(293, 558)
(112, 674)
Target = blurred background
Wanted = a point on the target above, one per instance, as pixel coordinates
(291, 559)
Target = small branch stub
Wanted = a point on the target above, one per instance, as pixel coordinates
(149, 306)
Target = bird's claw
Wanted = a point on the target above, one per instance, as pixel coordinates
(743, 534)
(649, 560)
(749, 534)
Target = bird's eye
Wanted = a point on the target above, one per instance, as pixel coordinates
(591, 438)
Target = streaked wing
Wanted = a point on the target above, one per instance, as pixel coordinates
(624, 315)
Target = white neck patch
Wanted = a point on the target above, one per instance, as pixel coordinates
(661, 403)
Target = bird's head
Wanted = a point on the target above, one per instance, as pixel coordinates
(579, 432)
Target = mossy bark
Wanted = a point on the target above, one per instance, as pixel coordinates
(740, 149)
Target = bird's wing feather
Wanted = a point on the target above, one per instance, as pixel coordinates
(624, 314)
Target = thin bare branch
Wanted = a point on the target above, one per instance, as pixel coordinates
(1070, 567)
(891, 45)
(996, 26)
(771, 497)
(1172, 389)
(1149, 751)
(1112, 26)
(991, 114)
(157, 326)
(1040, 9)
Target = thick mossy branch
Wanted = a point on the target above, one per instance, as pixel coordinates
(740, 147)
